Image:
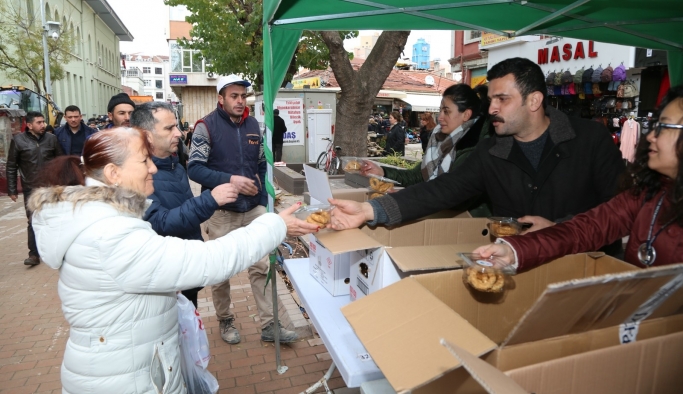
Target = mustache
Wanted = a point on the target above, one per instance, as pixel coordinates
(497, 119)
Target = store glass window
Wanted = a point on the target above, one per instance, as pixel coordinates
(185, 60)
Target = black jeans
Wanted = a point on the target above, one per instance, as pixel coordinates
(277, 152)
(191, 295)
(32, 248)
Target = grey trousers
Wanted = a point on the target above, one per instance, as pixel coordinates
(221, 223)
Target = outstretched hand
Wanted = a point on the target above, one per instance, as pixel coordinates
(350, 214)
(503, 253)
(296, 227)
(370, 167)
(537, 223)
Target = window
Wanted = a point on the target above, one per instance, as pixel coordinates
(159, 84)
(158, 71)
(148, 82)
(185, 60)
(146, 70)
(160, 95)
(472, 36)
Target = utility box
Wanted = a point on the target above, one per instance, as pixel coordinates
(294, 105)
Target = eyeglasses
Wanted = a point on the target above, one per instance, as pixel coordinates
(659, 126)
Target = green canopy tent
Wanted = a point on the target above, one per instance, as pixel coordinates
(654, 24)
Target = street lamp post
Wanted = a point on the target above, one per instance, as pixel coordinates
(51, 28)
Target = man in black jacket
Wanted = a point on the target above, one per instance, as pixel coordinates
(542, 166)
(279, 131)
(29, 152)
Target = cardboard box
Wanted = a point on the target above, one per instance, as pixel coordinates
(414, 248)
(647, 366)
(567, 307)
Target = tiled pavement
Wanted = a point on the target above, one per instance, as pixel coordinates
(33, 331)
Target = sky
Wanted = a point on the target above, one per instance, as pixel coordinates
(147, 20)
(440, 42)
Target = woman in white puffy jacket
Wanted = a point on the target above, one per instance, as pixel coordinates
(118, 278)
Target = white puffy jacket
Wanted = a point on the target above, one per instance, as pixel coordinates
(118, 279)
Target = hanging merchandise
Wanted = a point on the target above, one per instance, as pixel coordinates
(550, 79)
(606, 75)
(595, 78)
(630, 89)
(587, 75)
(620, 90)
(630, 133)
(578, 77)
(619, 73)
(558, 78)
(567, 77)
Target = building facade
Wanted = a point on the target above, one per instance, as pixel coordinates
(151, 72)
(421, 54)
(93, 74)
(469, 62)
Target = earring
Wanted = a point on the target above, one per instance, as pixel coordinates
(116, 185)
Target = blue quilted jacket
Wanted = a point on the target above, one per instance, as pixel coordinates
(174, 210)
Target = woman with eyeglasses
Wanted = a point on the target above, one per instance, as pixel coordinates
(649, 211)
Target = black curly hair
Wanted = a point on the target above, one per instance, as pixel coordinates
(641, 179)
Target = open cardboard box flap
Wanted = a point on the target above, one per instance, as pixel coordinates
(490, 378)
(399, 329)
(592, 303)
(438, 231)
(544, 304)
(423, 258)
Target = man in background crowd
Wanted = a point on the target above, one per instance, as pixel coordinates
(119, 109)
(28, 153)
(279, 130)
(73, 134)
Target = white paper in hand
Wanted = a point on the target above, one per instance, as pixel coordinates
(318, 185)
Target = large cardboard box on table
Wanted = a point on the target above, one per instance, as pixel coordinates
(356, 263)
(574, 305)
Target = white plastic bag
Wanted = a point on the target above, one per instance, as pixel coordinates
(194, 350)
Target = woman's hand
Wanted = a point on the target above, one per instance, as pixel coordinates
(502, 252)
(350, 214)
(370, 167)
(296, 227)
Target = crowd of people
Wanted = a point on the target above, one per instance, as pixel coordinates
(113, 210)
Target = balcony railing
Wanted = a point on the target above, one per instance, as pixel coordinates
(131, 72)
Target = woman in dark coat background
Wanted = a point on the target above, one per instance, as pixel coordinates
(427, 125)
(396, 139)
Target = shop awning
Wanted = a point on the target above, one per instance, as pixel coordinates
(423, 102)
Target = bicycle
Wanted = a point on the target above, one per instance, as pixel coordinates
(328, 161)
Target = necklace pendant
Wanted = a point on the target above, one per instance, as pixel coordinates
(647, 255)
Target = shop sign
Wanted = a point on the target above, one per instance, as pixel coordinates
(313, 82)
(568, 53)
(291, 111)
(490, 39)
(175, 79)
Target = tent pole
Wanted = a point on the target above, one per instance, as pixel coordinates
(550, 17)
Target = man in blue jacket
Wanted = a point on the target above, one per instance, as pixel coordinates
(227, 147)
(73, 134)
(174, 210)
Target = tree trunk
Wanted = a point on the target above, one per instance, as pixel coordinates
(359, 88)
